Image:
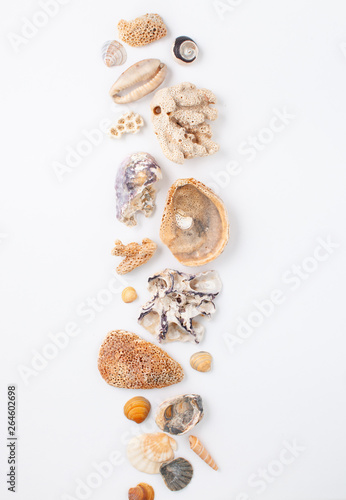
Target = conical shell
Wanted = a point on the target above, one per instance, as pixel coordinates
(199, 449)
(201, 361)
(137, 409)
(113, 53)
(148, 451)
(176, 474)
(194, 223)
(142, 491)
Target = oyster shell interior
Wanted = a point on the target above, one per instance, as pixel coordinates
(180, 414)
(194, 224)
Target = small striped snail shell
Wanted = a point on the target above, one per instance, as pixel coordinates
(142, 491)
(201, 361)
(137, 409)
(113, 53)
(199, 449)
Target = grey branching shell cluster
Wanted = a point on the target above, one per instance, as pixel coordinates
(177, 300)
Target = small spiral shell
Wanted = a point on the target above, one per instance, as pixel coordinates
(113, 53)
(199, 449)
(184, 50)
(201, 361)
(142, 491)
(137, 409)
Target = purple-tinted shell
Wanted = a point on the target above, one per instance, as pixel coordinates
(134, 187)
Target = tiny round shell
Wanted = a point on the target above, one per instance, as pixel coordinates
(184, 50)
(142, 491)
(129, 294)
(113, 53)
(201, 361)
(137, 409)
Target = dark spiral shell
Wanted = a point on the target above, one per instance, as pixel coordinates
(185, 50)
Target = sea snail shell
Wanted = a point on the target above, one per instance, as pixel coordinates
(149, 72)
(113, 53)
(184, 50)
(137, 409)
(199, 449)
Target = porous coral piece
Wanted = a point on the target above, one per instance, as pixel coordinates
(135, 254)
(142, 30)
(128, 123)
(125, 360)
(179, 117)
(177, 300)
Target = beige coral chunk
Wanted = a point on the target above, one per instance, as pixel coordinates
(142, 30)
(135, 254)
(128, 123)
(128, 361)
(179, 117)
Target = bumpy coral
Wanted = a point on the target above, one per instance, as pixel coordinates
(179, 117)
(129, 123)
(134, 187)
(177, 300)
(143, 30)
(135, 254)
(126, 360)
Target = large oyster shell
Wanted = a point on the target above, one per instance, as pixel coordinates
(194, 224)
(179, 414)
(134, 187)
(177, 300)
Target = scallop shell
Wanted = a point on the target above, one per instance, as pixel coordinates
(142, 491)
(148, 451)
(184, 50)
(137, 409)
(180, 414)
(201, 361)
(202, 240)
(199, 449)
(177, 474)
(150, 73)
(113, 53)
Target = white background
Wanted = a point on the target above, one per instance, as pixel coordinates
(287, 380)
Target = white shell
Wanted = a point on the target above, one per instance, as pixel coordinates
(177, 300)
(113, 53)
(148, 451)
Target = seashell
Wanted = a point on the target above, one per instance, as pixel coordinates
(126, 360)
(113, 53)
(178, 300)
(207, 236)
(134, 187)
(128, 123)
(137, 409)
(180, 414)
(142, 491)
(198, 448)
(143, 30)
(148, 451)
(180, 116)
(150, 73)
(177, 474)
(184, 50)
(135, 254)
(201, 361)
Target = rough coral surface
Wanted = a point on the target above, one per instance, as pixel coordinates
(126, 360)
(142, 30)
(129, 123)
(135, 254)
(179, 117)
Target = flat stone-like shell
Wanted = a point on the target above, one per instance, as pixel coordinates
(180, 414)
(201, 361)
(148, 451)
(134, 187)
(177, 474)
(126, 360)
(194, 224)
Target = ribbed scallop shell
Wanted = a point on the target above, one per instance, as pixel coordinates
(113, 53)
(201, 361)
(137, 409)
(176, 474)
(147, 452)
(199, 449)
(142, 491)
